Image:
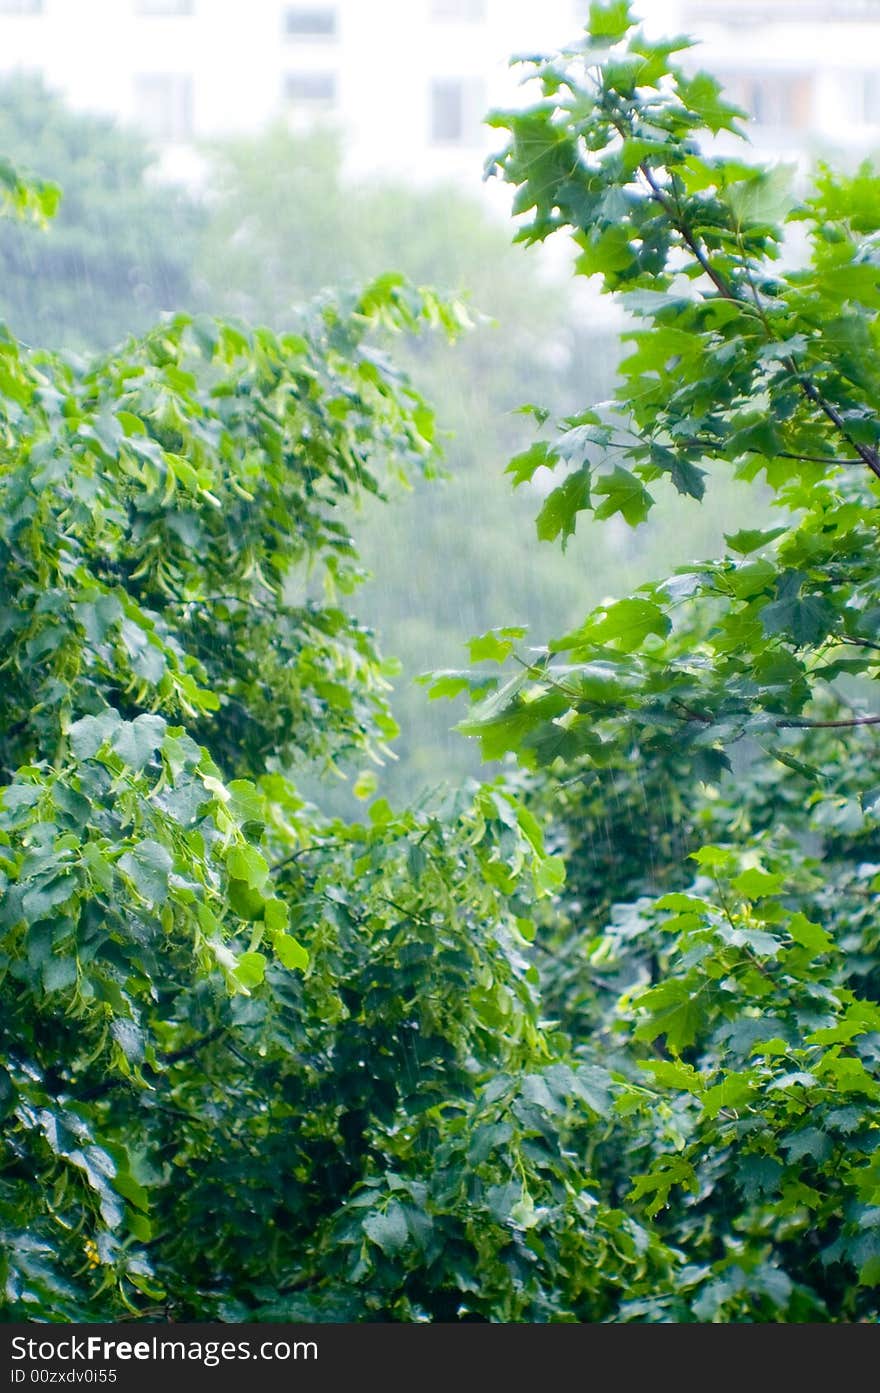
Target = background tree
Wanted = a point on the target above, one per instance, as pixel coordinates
(276, 223)
(256, 1062)
(269, 1063)
(765, 1090)
(285, 222)
(119, 251)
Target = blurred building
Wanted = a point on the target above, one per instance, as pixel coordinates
(807, 71)
(409, 81)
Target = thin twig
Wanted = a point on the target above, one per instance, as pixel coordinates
(829, 725)
(793, 723)
(866, 453)
(305, 851)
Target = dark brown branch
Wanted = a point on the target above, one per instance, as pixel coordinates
(305, 851)
(793, 723)
(858, 642)
(100, 1090)
(865, 452)
(716, 446)
(684, 231)
(190, 1051)
(829, 725)
(409, 913)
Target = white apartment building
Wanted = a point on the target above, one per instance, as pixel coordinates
(408, 81)
(808, 71)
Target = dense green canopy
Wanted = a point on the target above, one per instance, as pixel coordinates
(596, 1040)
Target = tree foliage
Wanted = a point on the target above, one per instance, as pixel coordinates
(278, 222)
(598, 1040)
(256, 1062)
(286, 220)
(743, 1000)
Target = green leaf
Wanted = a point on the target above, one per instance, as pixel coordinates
(91, 732)
(673, 1012)
(606, 253)
(147, 657)
(59, 974)
(495, 646)
(755, 883)
(702, 95)
(248, 902)
(714, 857)
(748, 540)
(388, 1229)
(131, 424)
(869, 1272)
(245, 863)
(444, 686)
(558, 516)
(247, 805)
(623, 494)
(734, 1092)
(98, 616)
(131, 1190)
(43, 895)
(667, 1173)
(137, 741)
(609, 20)
(765, 197)
(525, 466)
(291, 953)
(808, 935)
(130, 1039)
(250, 969)
(550, 875)
(277, 916)
(148, 865)
(628, 623)
(381, 813)
(688, 478)
(674, 1074)
(805, 621)
(365, 785)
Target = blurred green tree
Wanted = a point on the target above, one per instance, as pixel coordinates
(120, 250)
(285, 223)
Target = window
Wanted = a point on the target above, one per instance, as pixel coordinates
(748, 13)
(457, 107)
(163, 105)
(773, 99)
(465, 11)
(865, 89)
(164, 7)
(310, 89)
(311, 23)
(21, 7)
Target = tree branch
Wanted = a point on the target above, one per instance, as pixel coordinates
(100, 1090)
(858, 642)
(305, 851)
(829, 725)
(866, 453)
(717, 446)
(793, 723)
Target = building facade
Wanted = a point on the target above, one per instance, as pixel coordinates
(408, 81)
(807, 71)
